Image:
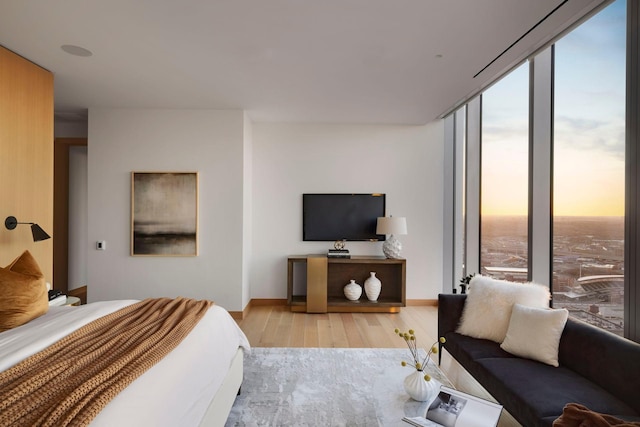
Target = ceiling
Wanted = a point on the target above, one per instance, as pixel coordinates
(327, 61)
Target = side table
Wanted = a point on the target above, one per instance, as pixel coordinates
(75, 301)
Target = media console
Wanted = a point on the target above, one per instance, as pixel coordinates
(322, 290)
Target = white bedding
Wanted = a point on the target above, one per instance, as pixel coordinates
(175, 392)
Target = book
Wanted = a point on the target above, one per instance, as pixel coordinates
(59, 300)
(338, 253)
(455, 408)
(54, 293)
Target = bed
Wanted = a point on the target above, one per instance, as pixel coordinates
(194, 385)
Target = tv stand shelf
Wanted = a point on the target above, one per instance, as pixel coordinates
(326, 277)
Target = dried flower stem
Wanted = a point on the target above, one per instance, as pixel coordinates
(412, 343)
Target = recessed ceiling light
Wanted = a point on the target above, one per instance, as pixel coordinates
(76, 50)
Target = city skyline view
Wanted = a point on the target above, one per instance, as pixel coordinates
(588, 263)
(588, 172)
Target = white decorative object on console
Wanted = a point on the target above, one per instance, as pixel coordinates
(353, 291)
(372, 287)
(391, 226)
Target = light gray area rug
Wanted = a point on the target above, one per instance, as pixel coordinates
(325, 387)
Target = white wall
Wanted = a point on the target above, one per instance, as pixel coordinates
(208, 141)
(252, 177)
(405, 162)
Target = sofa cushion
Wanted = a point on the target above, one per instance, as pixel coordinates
(23, 293)
(533, 391)
(535, 333)
(467, 349)
(489, 302)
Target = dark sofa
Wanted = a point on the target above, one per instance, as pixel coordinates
(597, 369)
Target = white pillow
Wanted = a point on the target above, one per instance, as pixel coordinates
(487, 309)
(535, 333)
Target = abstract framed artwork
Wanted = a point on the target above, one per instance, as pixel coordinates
(164, 213)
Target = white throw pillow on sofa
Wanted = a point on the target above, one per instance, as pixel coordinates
(535, 333)
(487, 309)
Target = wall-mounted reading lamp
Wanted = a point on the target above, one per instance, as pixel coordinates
(38, 233)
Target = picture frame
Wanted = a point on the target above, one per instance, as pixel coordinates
(164, 213)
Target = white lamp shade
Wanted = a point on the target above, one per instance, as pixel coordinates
(392, 225)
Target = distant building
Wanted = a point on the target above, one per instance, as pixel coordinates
(516, 274)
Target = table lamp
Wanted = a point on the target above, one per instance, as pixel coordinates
(391, 226)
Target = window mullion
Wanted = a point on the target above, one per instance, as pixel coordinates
(632, 176)
(472, 193)
(540, 167)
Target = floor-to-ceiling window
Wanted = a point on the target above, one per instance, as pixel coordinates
(588, 169)
(586, 74)
(504, 177)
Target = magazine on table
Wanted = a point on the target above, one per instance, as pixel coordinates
(454, 408)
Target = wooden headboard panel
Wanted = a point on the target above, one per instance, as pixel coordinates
(26, 158)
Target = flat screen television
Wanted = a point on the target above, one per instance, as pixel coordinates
(331, 217)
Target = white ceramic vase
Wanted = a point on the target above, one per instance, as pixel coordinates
(420, 389)
(392, 247)
(353, 291)
(372, 287)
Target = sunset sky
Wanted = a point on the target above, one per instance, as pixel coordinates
(589, 126)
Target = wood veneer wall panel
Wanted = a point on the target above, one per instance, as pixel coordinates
(26, 157)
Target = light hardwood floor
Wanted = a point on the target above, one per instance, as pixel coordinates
(277, 326)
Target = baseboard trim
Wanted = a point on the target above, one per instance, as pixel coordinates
(261, 302)
(267, 301)
(257, 302)
(422, 302)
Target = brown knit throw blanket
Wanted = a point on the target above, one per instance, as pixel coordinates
(577, 415)
(68, 383)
